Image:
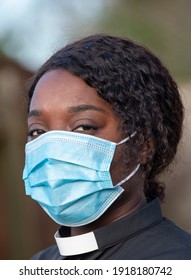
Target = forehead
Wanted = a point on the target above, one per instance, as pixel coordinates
(61, 88)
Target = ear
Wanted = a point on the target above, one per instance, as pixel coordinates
(147, 151)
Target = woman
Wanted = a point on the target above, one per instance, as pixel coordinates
(105, 118)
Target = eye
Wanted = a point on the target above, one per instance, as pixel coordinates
(84, 128)
(35, 133)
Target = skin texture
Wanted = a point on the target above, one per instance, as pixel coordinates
(62, 101)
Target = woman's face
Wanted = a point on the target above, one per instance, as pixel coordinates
(62, 101)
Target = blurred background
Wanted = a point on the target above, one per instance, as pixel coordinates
(31, 31)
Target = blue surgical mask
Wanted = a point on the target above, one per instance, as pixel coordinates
(67, 173)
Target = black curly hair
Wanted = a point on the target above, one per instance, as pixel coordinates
(139, 88)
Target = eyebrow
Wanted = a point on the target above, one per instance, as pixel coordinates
(35, 113)
(72, 109)
(84, 107)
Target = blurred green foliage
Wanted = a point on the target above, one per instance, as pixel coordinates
(163, 26)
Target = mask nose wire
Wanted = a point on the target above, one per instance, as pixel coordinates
(127, 138)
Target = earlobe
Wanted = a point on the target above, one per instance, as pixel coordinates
(147, 151)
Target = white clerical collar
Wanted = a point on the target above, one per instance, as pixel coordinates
(76, 245)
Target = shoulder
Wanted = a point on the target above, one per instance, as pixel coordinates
(176, 233)
(50, 253)
(175, 241)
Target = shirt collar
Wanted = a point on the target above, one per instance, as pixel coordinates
(75, 245)
(111, 234)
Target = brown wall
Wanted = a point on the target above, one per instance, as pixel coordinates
(24, 227)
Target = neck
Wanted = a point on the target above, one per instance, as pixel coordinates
(112, 214)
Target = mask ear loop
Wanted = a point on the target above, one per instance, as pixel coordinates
(129, 176)
(127, 138)
(138, 165)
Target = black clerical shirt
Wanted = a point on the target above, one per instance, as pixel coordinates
(142, 235)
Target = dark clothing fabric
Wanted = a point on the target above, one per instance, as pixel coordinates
(142, 235)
